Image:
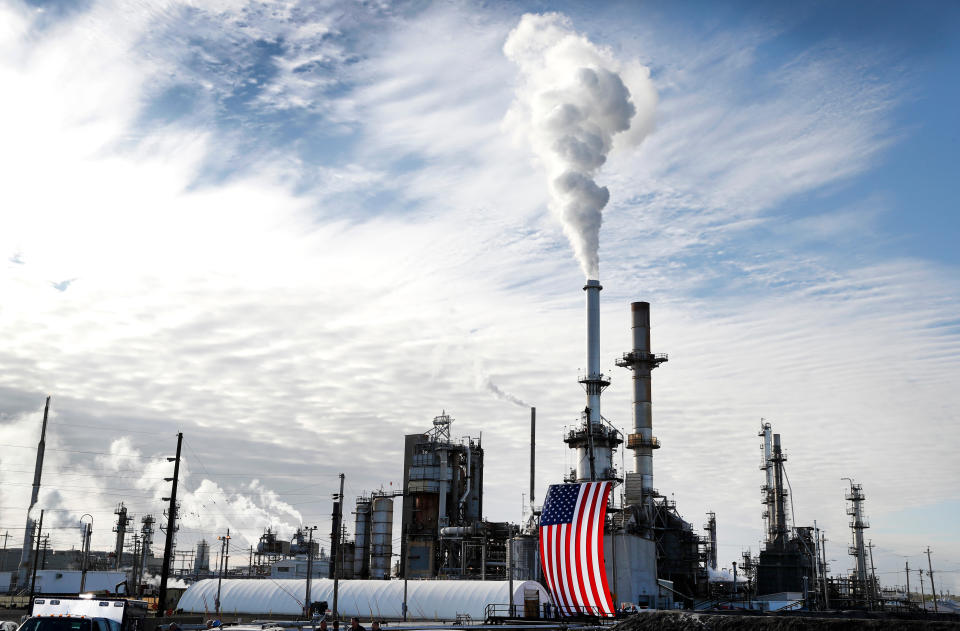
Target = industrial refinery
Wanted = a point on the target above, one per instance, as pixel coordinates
(452, 561)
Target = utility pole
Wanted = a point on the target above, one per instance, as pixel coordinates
(33, 578)
(224, 564)
(907, 568)
(87, 534)
(336, 558)
(171, 528)
(3, 559)
(46, 546)
(923, 597)
(933, 590)
(307, 611)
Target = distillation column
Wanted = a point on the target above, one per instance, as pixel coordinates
(780, 533)
(857, 524)
(769, 488)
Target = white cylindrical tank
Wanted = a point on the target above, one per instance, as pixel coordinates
(202, 561)
(523, 558)
(426, 600)
(381, 548)
(346, 569)
(361, 551)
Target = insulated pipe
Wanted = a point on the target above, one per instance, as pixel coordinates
(466, 492)
(444, 484)
(642, 402)
(457, 531)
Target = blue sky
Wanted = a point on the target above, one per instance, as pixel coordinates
(306, 228)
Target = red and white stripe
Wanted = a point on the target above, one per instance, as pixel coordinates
(572, 556)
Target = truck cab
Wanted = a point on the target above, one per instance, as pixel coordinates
(84, 613)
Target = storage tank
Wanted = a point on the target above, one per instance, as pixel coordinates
(523, 557)
(346, 560)
(361, 551)
(381, 548)
(202, 561)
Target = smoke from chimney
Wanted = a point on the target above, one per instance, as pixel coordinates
(570, 103)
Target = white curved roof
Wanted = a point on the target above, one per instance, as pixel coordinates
(426, 600)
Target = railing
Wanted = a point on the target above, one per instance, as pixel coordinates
(543, 611)
(598, 432)
(636, 441)
(633, 357)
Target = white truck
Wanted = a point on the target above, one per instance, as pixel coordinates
(84, 613)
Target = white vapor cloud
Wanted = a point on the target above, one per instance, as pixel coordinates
(571, 102)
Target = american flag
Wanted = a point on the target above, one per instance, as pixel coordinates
(571, 548)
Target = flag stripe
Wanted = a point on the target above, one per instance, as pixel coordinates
(583, 547)
(569, 568)
(547, 574)
(601, 565)
(557, 533)
(576, 550)
(590, 547)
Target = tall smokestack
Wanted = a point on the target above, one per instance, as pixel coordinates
(642, 362)
(533, 452)
(593, 441)
(37, 471)
(592, 381)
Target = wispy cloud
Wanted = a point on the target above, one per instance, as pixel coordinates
(378, 240)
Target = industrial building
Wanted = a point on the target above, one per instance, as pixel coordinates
(443, 533)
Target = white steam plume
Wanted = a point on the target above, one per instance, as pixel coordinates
(571, 101)
(502, 394)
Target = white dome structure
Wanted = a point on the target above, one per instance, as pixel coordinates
(426, 600)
